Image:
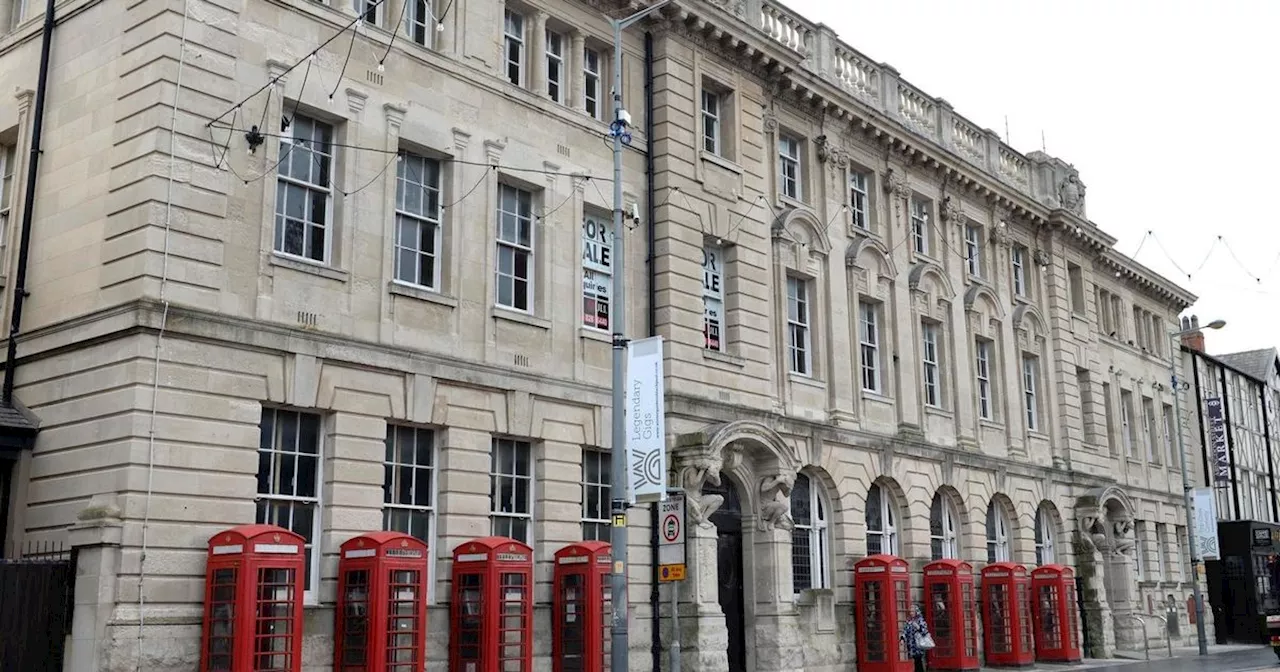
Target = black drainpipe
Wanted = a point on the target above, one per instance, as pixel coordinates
(654, 596)
(28, 204)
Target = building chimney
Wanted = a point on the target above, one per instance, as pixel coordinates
(1193, 338)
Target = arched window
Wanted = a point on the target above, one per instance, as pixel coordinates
(810, 539)
(1046, 531)
(997, 533)
(882, 522)
(942, 528)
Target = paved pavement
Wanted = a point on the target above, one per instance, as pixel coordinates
(1235, 658)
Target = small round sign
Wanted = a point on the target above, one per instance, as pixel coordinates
(670, 527)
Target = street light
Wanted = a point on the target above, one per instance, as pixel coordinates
(619, 647)
(1176, 336)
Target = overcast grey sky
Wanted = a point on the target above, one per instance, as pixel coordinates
(1168, 108)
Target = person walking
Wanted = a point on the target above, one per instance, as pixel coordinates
(915, 633)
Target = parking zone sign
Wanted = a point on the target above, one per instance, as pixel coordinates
(671, 550)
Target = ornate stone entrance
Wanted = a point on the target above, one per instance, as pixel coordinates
(751, 462)
(1105, 564)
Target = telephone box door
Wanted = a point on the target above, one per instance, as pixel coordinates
(492, 617)
(1055, 619)
(578, 638)
(380, 620)
(1006, 612)
(881, 604)
(948, 589)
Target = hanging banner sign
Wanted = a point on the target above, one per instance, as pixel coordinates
(597, 272)
(646, 422)
(1206, 520)
(713, 297)
(1218, 441)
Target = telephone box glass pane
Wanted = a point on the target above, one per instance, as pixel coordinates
(469, 618)
(511, 633)
(970, 612)
(1001, 628)
(404, 629)
(900, 597)
(943, 633)
(273, 636)
(1024, 616)
(1050, 633)
(573, 632)
(873, 622)
(1070, 608)
(222, 612)
(355, 622)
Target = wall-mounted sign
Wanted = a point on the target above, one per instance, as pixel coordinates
(1221, 459)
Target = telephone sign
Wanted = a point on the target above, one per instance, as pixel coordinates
(671, 547)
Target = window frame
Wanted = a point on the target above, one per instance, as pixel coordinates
(554, 61)
(373, 7)
(519, 448)
(1149, 428)
(1170, 434)
(921, 209)
(860, 199)
(1018, 269)
(420, 219)
(431, 508)
(1126, 424)
(869, 346)
(603, 487)
(1045, 537)
(790, 153)
(799, 327)
(8, 170)
(948, 522)
(982, 357)
(818, 531)
(712, 121)
(888, 531)
(931, 364)
(1031, 391)
(591, 80)
(517, 248)
(973, 250)
(997, 534)
(713, 296)
(311, 575)
(420, 20)
(513, 20)
(327, 151)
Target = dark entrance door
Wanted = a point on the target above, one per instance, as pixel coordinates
(728, 522)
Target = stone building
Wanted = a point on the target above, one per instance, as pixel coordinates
(355, 299)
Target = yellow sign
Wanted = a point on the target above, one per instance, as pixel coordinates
(668, 573)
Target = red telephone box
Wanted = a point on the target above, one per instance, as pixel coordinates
(492, 628)
(253, 600)
(881, 603)
(380, 624)
(1006, 613)
(951, 613)
(581, 626)
(1056, 619)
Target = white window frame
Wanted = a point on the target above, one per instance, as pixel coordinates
(513, 47)
(497, 473)
(365, 8)
(931, 364)
(1030, 396)
(1126, 400)
(421, 23)
(1149, 429)
(997, 533)
(1046, 537)
(920, 225)
(799, 327)
(713, 316)
(288, 140)
(394, 470)
(597, 274)
(602, 486)
(818, 532)
(973, 250)
(592, 66)
(982, 372)
(555, 66)
(888, 531)
(311, 589)
(1018, 263)
(515, 247)
(8, 166)
(790, 175)
(859, 200)
(712, 138)
(869, 346)
(417, 219)
(948, 517)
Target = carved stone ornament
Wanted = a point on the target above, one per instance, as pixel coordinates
(1000, 233)
(897, 184)
(770, 122)
(953, 211)
(734, 7)
(700, 471)
(775, 502)
(1071, 194)
(1042, 257)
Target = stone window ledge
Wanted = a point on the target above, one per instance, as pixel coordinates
(311, 267)
(421, 294)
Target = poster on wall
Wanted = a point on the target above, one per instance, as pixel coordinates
(1218, 441)
(1206, 519)
(713, 297)
(597, 272)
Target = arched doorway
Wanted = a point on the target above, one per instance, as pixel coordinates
(728, 523)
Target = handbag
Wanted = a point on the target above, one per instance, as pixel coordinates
(925, 642)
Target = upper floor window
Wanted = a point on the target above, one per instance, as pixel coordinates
(1075, 282)
(798, 334)
(1046, 532)
(920, 225)
(942, 528)
(930, 360)
(304, 190)
(597, 272)
(513, 42)
(417, 220)
(713, 297)
(368, 10)
(711, 140)
(1018, 266)
(7, 161)
(515, 248)
(860, 200)
(869, 344)
(982, 372)
(1158, 335)
(591, 67)
(596, 497)
(1149, 430)
(511, 489)
(1031, 403)
(973, 250)
(289, 479)
(1126, 424)
(1170, 437)
(555, 65)
(789, 166)
(408, 483)
(997, 533)
(810, 538)
(882, 522)
(421, 21)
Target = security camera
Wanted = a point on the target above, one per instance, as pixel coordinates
(625, 117)
(634, 213)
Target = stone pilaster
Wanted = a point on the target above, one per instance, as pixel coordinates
(904, 366)
(536, 50)
(573, 77)
(704, 639)
(96, 539)
(778, 646)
